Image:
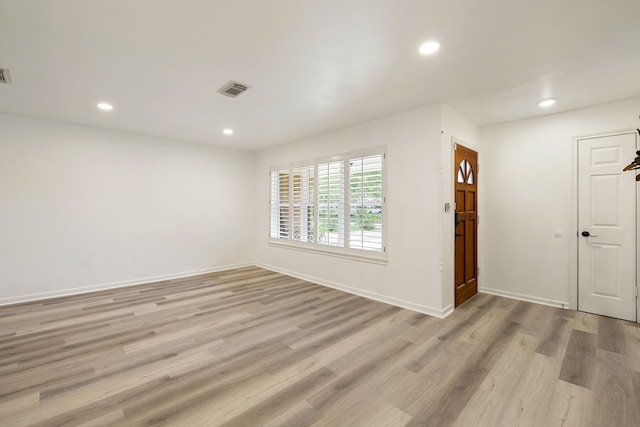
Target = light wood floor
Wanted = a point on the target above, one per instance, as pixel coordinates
(250, 347)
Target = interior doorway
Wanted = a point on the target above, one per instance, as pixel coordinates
(607, 226)
(466, 223)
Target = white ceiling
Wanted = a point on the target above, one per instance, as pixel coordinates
(314, 65)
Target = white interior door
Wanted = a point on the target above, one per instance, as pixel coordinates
(607, 226)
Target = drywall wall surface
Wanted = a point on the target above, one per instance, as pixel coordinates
(84, 208)
(411, 278)
(526, 191)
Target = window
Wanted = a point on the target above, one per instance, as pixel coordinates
(465, 172)
(334, 204)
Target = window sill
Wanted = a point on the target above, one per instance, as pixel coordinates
(381, 259)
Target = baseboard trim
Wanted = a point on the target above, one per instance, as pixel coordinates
(446, 311)
(525, 297)
(114, 285)
(431, 311)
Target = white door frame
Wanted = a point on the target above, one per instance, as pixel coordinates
(447, 185)
(573, 229)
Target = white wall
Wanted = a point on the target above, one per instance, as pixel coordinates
(83, 208)
(526, 193)
(413, 227)
(88, 208)
(455, 127)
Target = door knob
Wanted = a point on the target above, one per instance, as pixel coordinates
(587, 234)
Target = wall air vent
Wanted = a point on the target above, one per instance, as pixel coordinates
(233, 89)
(5, 78)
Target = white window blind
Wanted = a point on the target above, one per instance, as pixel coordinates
(365, 203)
(293, 204)
(335, 204)
(331, 229)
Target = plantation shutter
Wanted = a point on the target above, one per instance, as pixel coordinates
(274, 204)
(365, 203)
(302, 195)
(281, 214)
(331, 204)
(292, 207)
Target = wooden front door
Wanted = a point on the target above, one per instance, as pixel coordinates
(466, 223)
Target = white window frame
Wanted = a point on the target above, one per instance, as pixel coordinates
(339, 251)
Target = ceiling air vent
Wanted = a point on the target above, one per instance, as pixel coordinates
(233, 89)
(5, 78)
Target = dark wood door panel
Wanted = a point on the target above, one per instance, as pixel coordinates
(466, 224)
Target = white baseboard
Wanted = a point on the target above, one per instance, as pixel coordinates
(431, 311)
(113, 285)
(446, 311)
(524, 297)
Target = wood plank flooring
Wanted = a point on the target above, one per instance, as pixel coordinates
(250, 347)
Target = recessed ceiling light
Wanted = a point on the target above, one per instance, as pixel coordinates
(547, 102)
(429, 47)
(228, 131)
(105, 107)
